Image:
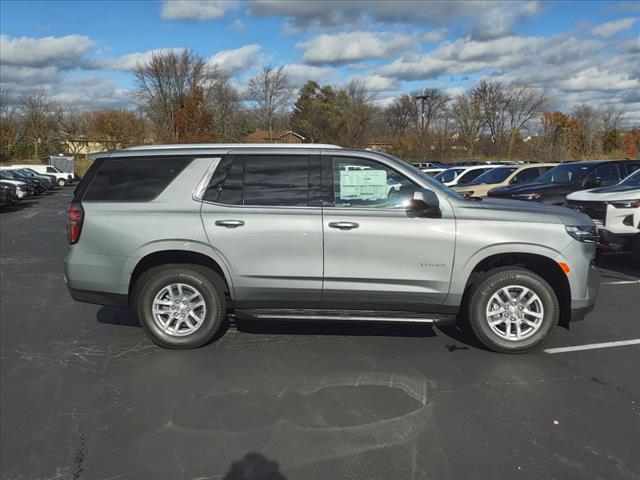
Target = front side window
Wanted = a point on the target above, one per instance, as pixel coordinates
(368, 184)
(526, 175)
(449, 175)
(51, 170)
(605, 174)
(471, 175)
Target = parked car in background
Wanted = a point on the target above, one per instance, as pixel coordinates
(462, 175)
(251, 230)
(553, 186)
(432, 172)
(616, 212)
(502, 176)
(23, 189)
(61, 178)
(8, 195)
(48, 180)
(36, 186)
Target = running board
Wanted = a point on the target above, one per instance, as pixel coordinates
(346, 315)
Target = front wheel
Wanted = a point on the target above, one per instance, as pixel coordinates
(61, 182)
(513, 310)
(180, 306)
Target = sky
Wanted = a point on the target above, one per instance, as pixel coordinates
(84, 52)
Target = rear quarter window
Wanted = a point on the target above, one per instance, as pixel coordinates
(133, 179)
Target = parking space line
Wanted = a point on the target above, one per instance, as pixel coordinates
(594, 346)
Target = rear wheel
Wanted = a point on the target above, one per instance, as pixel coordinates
(180, 306)
(512, 310)
(61, 182)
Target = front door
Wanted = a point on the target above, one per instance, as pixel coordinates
(376, 255)
(260, 218)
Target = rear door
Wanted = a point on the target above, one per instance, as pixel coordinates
(376, 255)
(263, 217)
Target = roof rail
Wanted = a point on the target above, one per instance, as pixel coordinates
(232, 145)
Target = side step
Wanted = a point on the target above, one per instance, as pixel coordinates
(346, 315)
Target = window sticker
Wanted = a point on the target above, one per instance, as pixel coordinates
(365, 184)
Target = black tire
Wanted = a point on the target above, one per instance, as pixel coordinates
(207, 282)
(491, 282)
(61, 182)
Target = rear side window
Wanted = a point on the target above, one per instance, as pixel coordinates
(471, 175)
(133, 179)
(277, 181)
(261, 180)
(526, 175)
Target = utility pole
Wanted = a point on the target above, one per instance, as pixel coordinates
(422, 99)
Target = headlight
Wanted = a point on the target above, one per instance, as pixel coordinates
(529, 196)
(587, 234)
(626, 204)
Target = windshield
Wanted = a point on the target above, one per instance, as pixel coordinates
(495, 175)
(449, 175)
(567, 173)
(632, 180)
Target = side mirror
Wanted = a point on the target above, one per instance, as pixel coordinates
(424, 203)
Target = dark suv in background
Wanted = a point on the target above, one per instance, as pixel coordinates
(557, 183)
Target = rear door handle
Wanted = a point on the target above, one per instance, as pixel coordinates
(229, 223)
(343, 225)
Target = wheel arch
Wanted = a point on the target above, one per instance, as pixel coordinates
(172, 256)
(542, 265)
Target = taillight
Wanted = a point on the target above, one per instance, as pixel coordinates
(75, 218)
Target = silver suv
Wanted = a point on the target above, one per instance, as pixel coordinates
(187, 234)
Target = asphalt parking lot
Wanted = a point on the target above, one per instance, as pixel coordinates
(84, 394)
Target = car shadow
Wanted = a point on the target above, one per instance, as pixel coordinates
(117, 316)
(617, 266)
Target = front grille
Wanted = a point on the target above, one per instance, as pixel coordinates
(596, 210)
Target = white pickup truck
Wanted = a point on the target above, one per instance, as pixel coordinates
(62, 178)
(616, 212)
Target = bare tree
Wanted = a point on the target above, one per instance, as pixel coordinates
(611, 117)
(493, 102)
(37, 112)
(360, 112)
(271, 92)
(522, 104)
(172, 82)
(467, 113)
(73, 128)
(227, 108)
(401, 115)
(590, 124)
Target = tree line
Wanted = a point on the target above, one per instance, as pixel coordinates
(182, 99)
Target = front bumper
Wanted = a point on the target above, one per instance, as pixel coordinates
(580, 308)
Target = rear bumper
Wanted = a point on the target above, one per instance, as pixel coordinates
(580, 308)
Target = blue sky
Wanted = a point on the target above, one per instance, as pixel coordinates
(83, 52)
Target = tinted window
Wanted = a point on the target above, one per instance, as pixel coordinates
(606, 174)
(527, 175)
(133, 179)
(471, 175)
(51, 170)
(449, 175)
(214, 188)
(231, 193)
(566, 173)
(276, 180)
(495, 175)
(365, 183)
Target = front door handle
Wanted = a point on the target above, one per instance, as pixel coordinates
(343, 225)
(229, 223)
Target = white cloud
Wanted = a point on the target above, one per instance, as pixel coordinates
(130, 61)
(350, 47)
(238, 25)
(196, 10)
(483, 16)
(237, 60)
(61, 52)
(376, 83)
(298, 74)
(609, 29)
(435, 36)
